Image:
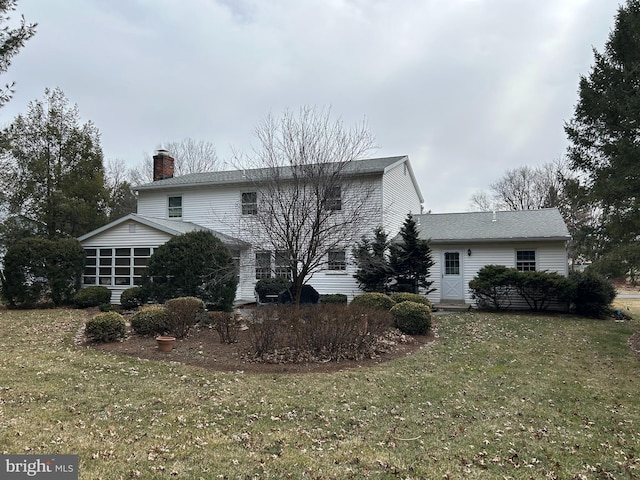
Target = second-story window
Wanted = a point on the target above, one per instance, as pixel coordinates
(334, 198)
(175, 207)
(249, 203)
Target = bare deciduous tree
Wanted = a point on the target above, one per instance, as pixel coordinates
(308, 200)
(525, 188)
(191, 156)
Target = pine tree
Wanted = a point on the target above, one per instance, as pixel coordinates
(374, 272)
(604, 134)
(411, 260)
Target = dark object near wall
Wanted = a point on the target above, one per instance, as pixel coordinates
(308, 295)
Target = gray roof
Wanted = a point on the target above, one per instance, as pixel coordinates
(357, 167)
(172, 227)
(539, 225)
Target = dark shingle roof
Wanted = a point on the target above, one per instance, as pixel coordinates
(544, 224)
(359, 167)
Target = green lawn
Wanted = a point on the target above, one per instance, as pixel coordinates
(496, 396)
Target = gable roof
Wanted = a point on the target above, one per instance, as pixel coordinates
(356, 167)
(172, 227)
(540, 225)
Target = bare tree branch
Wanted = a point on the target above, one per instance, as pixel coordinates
(310, 198)
(191, 156)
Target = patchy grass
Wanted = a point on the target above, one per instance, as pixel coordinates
(496, 396)
(628, 305)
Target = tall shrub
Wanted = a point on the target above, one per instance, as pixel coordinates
(193, 264)
(592, 295)
(39, 270)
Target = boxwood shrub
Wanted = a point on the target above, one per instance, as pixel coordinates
(411, 318)
(132, 298)
(92, 296)
(151, 320)
(376, 301)
(400, 297)
(105, 327)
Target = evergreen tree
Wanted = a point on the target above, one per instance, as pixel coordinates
(411, 260)
(11, 41)
(374, 272)
(604, 134)
(53, 173)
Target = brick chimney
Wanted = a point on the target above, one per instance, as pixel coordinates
(162, 165)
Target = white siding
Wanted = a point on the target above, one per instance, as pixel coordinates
(550, 256)
(399, 197)
(390, 197)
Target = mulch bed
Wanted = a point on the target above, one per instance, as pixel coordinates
(203, 349)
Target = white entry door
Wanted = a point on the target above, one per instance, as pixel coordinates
(452, 276)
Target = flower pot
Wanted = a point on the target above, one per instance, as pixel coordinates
(165, 344)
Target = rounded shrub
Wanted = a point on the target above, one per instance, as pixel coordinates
(105, 327)
(151, 320)
(411, 318)
(132, 298)
(92, 296)
(592, 294)
(184, 313)
(376, 301)
(333, 298)
(400, 297)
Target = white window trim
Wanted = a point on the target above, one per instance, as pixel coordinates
(535, 260)
(169, 216)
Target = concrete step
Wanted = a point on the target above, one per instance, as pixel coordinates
(451, 307)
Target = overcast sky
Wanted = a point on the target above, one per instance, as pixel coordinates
(465, 88)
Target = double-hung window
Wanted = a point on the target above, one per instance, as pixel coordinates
(282, 264)
(525, 260)
(175, 207)
(337, 260)
(263, 265)
(333, 198)
(249, 203)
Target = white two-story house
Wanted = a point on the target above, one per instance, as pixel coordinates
(224, 203)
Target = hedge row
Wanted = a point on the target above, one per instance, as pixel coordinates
(496, 287)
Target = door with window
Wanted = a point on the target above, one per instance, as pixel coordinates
(452, 276)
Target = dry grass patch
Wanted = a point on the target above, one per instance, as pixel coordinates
(496, 396)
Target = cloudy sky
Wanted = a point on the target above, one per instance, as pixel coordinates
(466, 88)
